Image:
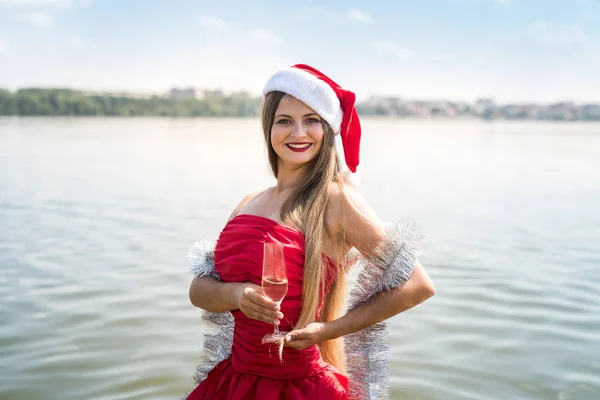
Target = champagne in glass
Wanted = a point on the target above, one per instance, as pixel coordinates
(274, 282)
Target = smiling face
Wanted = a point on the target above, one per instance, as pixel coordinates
(296, 133)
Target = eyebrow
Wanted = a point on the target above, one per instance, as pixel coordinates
(289, 116)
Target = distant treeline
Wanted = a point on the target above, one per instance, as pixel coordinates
(66, 102)
(215, 103)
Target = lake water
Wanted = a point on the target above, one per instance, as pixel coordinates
(96, 216)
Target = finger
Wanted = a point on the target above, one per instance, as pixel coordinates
(274, 314)
(256, 314)
(297, 344)
(261, 314)
(258, 296)
(294, 336)
(263, 301)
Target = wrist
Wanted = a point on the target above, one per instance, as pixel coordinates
(329, 331)
(238, 294)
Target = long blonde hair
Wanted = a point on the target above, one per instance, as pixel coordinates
(305, 208)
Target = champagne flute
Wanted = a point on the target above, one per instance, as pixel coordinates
(274, 282)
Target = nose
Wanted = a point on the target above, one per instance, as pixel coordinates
(298, 131)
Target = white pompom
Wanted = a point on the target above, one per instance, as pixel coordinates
(352, 179)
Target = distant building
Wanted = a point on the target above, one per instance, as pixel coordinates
(484, 107)
(180, 94)
(591, 112)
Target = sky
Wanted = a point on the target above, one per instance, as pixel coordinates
(509, 50)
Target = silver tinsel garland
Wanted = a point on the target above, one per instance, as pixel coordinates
(218, 326)
(367, 350)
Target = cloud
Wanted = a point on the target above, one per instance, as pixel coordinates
(38, 19)
(557, 35)
(358, 16)
(235, 33)
(3, 46)
(75, 41)
(443, 56)
(263, 36)
(312, 12)
(37, 3)
(45, 3)
(212, 22)
(323, 13)
(391, 49)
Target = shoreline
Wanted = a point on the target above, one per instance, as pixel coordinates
(410, 118)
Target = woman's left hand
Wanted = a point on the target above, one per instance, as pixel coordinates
(302, 338)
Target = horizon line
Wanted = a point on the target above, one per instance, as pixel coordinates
(166, 93)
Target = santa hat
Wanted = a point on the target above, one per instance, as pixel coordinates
(334, 104)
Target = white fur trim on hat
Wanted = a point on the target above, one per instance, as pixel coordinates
(310, 90)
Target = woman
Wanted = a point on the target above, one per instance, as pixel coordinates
(319, 218)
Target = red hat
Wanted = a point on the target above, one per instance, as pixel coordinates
(334, 104)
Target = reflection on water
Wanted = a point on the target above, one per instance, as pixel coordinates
(97, 214)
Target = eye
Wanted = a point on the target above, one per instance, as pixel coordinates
(283, 121)
(313, 120)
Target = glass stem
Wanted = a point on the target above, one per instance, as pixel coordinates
(276, 326)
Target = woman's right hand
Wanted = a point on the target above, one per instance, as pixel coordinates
(254, 304)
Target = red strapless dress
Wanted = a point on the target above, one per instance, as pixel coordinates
(254, 370)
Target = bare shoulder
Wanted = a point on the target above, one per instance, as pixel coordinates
(347, 200)
(349, 210)
(247, 199)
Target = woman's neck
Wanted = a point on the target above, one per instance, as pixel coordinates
(288, 178)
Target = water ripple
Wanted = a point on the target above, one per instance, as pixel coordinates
(93, 281)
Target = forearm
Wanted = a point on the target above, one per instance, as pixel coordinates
(385, 305)
(211, 295)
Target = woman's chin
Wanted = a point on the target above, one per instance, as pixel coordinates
(296, 163)
(297, 159)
